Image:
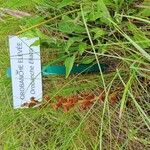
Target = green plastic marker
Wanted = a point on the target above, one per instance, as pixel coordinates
(26, 69)
(61, 70)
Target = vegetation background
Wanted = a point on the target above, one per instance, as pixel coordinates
(115, 32)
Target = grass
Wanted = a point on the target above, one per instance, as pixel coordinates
(112, 32)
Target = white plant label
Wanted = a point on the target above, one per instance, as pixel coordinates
(25, 70)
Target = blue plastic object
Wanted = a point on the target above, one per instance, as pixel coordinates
(61, 70)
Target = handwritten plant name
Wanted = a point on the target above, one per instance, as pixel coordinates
(21, 73)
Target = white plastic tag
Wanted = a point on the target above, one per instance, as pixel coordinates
(25, 71)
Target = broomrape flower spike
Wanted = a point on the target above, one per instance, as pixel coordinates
(82, 100)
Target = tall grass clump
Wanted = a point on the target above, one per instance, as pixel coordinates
(113, 32)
